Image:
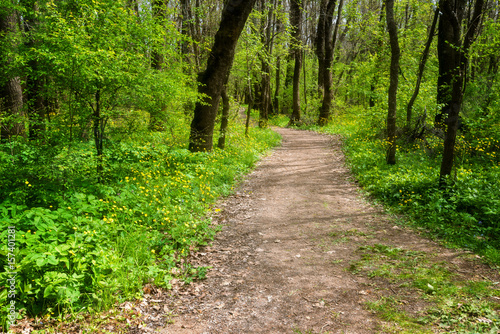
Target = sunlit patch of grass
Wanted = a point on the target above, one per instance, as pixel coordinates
(452, 302)
(395, 319)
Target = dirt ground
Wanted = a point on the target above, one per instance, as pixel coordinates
(278, 265)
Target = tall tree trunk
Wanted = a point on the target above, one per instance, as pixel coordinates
(265, 107)
(35, 80)
(159, 7)
(421, 67)
(452, 55)
(331, 37)
(304, 79)
(185, 10)
(265, 95)
(250, 103)
(321, 38)
(157, 59)
(276, 100)
(449, 39)
(224, 119)
(196, 35)
(393, 86)
(98, 129)
(296, 23)
(212, 80)
(373, 85)
(11, 96)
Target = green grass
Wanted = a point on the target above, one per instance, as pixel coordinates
(82, 246)
(451, 303)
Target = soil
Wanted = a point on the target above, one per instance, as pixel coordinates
(280, 263)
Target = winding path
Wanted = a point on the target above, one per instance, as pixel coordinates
(290, 233)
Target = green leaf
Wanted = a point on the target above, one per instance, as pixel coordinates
(48, 291)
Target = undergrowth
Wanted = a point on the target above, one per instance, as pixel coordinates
(83, 246)
(448, 302)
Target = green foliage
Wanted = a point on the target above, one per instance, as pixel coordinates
(80, 244)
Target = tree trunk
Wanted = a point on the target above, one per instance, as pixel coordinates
(265, 95)
(393, 85)
(159, 15)
(185, 28)
(265, 107)
(157, 60)
(35, 81)
(224, 120)
(212, 80)
(330, 40)
(276, 103)
(321, 38)
(421, 67)
(449, 40)
(11, 96)
(380, 42)
(250, 103)
(98, 129)
(276, 100)
(304, 79)
(452, 57)
(296, 22)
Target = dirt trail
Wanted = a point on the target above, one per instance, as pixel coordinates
(290, 232)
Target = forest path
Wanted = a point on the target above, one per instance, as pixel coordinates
(289, 235)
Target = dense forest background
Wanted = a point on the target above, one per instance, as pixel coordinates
(121, 122)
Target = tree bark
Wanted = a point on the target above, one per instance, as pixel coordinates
(98, 124)
(212, 80)
(157, 59)
(373, 85)
(321, 38)
(11, 95)
(250, 106)
(296, 23)
(421, 67)
(276, 100)
(449, 39)
(330, 40)
(224, 120)
(452, 55)
(265, 94)
(393, 85)
(185, 28)
(35, 81)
